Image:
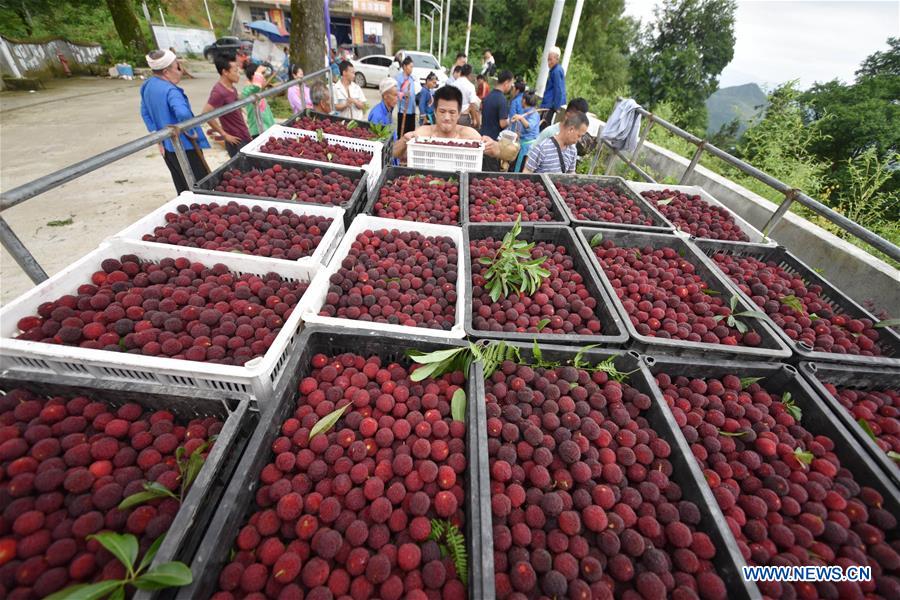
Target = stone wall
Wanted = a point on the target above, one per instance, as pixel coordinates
(40, 59)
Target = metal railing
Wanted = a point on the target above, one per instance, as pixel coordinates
(791, 195)
(29, 190)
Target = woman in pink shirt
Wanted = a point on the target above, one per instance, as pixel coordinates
(293, 93)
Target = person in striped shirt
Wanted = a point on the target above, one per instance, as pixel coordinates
(558, 153)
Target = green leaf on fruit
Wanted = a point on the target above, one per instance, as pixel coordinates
(813, 316)
(793, 302)
(596, 240)
(328, 421)
(85, 591)
(710, 292)
(452, 543)
(666, 202)
(731, 433)
(458, 405)
(682, 252)
(320, 135)
(151, 553)
(118, 594)
(791, 406)
(803, 456)
(748, 381)
(493, 201)
(123, 546)
(894, 455)
(608, 366)
(887, 323)
(152, 491)
(512, 270)
(578, 361)
(867, 428)
(542, 323)
(494, 354)
(166, 575)
(352, 125)
(437, 182)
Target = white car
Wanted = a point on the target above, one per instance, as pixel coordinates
(372, 69)
(423, 64)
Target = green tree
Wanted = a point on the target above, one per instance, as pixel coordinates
(882, 63)
(308, 34)
(679, 57)
(128, 27)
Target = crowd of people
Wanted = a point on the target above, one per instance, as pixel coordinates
(465, 107)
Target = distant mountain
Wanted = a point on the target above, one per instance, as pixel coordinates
(743, 102)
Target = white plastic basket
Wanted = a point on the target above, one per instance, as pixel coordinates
(258, 377)
(373, 169)
(330, 239)
(441, 157)
(314, 298)
(755, 235)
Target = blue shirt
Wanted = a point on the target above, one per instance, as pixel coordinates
(527, 132)
(425, 107)
(555, 92)
(162, 104)
(493, 109)
(515, 106)
(408, 100)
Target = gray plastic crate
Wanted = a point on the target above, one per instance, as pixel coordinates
(391, 173)
(560, 217)
(860, 379)
(660, 223)
(239, 498)
(889, 338)
(613, 332)
(685, 472)
(771, 347)
(239, 421)
(817, 418)
(245, 163)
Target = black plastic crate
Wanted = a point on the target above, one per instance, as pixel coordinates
(771, 347)
(660, 223)
(308, 112)
(560, 217)
(239, 498)
(861, 379)
(816, 418)
(245, 163)
(613, 332)
(392, 173)
(889, 338)
(182, 541)
(685, 471)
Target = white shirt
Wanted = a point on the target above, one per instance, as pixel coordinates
(341, 96)
(468, 92)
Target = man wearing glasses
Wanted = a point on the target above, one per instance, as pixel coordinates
(163, 103)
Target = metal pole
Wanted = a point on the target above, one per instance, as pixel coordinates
(446, 31)
(468, 29)
(694, 160)
(783, 208)
(181, 155)
(570, 39)
(208, 17)
(440, 30)
(418, 27)
(440, 11)
(20, 253)
(431, 35)
(643, 137)
(549, 42)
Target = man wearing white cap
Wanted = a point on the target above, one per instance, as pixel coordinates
(163, 103)
(555, 90)
(382, 113)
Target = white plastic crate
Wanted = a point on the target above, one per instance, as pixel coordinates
(755, 235)
(330, 239)
(436, 157)
(257, 377)
(314, 298)
(373, 169)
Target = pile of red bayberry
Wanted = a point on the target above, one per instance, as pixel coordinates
(287, 183)
(235, 227)
(310, 148)
(878, 407)
(783, 491)
(423, 198)
(693, 214)
(396, 277)
(67, 464)
(174, 308)
(348, 513)
(818, 323)
(582, 496)
(665, 298)
(504, 199)
(595, 202)
(332, 127)
(562, 301)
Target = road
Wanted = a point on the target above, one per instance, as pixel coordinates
(71, 120)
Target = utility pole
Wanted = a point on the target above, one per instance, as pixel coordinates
(570, 40)
(418, 26)
(431, 35)
(446, 30)
(552, 32)
(469, 28)
(440, 11)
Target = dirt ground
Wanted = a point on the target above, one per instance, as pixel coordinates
(69, 121)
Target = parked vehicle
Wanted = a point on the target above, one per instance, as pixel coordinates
(227, 44)
(372, 69)
(423, 64)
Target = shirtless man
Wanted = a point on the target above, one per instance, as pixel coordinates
(447, 105)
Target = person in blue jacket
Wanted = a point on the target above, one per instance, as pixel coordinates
(555, 90)
(163, 103)
(425, 100)
(515, 105)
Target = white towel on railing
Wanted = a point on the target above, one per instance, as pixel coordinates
(622, 127)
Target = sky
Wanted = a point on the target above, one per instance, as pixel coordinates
(809, 40)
